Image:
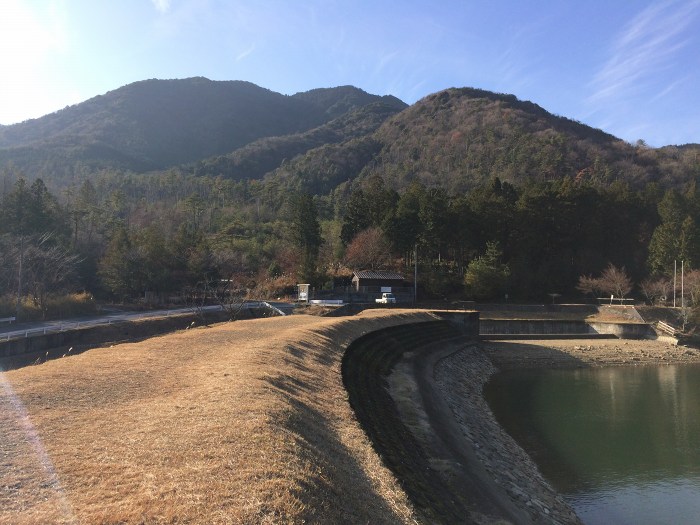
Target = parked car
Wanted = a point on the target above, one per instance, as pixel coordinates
(386, 298)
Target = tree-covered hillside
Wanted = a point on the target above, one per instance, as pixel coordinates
(458, 138)
(493, 196)
(257, 158)
(157, 124)
(461, 138)
(454, 139)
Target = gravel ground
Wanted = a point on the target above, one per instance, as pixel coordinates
(574, 353)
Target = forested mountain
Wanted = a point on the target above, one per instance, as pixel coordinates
(264, 155)
(170, 187)
(455, 139)
(156, 124)
(460, 138)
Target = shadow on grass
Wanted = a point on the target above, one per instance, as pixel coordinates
(336, 487)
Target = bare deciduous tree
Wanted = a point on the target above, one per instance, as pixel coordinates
(588, 284)
(215, 292)
(656, 290)
(369, 249)
(49, 269)
(691, 286)
(232, 298)
(613, 281)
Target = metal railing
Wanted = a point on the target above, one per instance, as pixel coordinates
(53, 327)
(272, 308)
(125, 317)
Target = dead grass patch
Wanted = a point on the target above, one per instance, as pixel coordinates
(244, 422)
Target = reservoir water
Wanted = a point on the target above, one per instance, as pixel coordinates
(621, 444)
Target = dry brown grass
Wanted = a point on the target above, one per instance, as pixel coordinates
(245, 422)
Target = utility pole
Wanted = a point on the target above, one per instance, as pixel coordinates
(682, 294)
(674, 282)
(19, 277)
(415, 273)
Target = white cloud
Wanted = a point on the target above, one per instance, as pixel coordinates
(665, 91)
(243, 54)
(644, 49)
(383, 59)
(162, 5)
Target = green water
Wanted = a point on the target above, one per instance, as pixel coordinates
(621, 444)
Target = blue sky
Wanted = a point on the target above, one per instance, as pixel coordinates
(629, 67)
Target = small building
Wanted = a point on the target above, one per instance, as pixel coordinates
(303, 293)
(376, 279)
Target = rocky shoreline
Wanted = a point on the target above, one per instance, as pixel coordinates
(461, 375)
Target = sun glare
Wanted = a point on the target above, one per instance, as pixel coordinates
(21, 431)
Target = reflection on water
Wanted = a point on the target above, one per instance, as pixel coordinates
(622, 444)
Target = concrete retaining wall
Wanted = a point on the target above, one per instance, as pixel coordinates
(549, 327)
(577, 309)
(625, 330)
(468, 322)
(533, 326)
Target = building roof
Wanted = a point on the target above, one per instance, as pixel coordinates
(377, 274)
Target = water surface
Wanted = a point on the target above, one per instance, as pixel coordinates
(622, 444)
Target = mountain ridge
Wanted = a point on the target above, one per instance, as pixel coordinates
(459, 138)
(455, 139)
(157, 124)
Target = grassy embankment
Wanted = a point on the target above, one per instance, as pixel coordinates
(243, 422)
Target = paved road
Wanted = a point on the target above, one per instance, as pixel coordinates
(13, 330)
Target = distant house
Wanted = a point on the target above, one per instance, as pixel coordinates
(362, 279)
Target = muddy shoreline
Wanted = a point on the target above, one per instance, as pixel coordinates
(582, 353)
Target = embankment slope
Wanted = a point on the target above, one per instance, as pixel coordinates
(244, 422)
(249, 422)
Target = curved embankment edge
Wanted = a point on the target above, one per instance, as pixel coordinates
(417, 391)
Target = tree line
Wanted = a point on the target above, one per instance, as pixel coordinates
(124, 237)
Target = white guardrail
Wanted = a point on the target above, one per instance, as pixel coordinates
(62, 326)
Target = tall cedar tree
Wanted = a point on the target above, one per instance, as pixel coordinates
(306, 235)
(486, 276)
